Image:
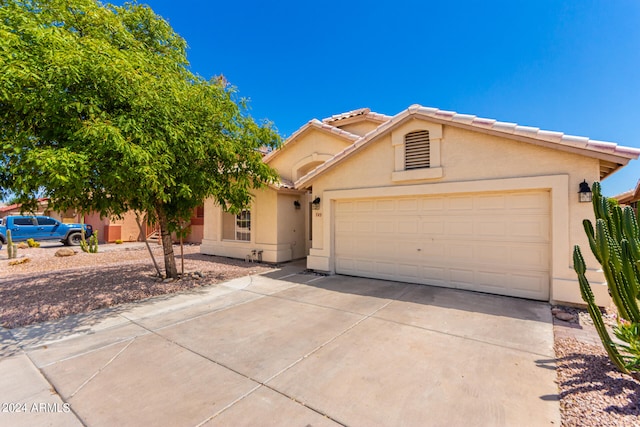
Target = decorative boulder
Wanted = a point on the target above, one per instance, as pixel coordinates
(65, 252)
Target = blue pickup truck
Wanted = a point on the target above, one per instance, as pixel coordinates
(40, 227)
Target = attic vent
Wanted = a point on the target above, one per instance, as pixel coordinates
(416, 150)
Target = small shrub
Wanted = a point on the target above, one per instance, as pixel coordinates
(20, 261)
(118, 242)
(32, 243)
(22, 245)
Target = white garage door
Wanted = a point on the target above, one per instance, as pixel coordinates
(489, 242)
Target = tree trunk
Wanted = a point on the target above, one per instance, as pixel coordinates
(167, 244)
(146, 242)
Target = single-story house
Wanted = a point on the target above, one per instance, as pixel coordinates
(427, 196)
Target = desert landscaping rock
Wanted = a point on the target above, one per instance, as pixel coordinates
(65, 252)
(563, 315)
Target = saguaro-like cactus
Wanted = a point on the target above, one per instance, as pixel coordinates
(90, 247)
(12, 249)
(615, 242)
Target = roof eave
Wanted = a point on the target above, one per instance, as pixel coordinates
(313, 124)
(618, 159)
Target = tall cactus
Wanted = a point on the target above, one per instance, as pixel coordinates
(615, 243)
(91, 246)
(12, 249)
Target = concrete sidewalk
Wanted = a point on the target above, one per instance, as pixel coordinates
(286, 348)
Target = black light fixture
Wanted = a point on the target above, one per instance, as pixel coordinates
(316, 203)
(296, 203)
(585, 194)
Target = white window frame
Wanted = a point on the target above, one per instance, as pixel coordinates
(243, 233)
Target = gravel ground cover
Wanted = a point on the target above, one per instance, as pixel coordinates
(49, 287)
(591, 391)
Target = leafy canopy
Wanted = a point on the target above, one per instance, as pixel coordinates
(99, 111)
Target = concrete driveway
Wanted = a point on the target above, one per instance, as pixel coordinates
(291, 349)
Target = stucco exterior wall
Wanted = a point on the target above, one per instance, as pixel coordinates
(277, 229)
(313, 146)
(360, 128)
(473, 161)
(291, 223)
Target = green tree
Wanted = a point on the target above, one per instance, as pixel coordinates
(99, 111)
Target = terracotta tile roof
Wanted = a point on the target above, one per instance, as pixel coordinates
(313, 124)
(359, 112)
(7, 208)
(557, 140)
(526, 131)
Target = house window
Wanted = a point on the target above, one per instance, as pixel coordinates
(417, 153)
(243, 226)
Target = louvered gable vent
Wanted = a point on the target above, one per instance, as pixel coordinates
(416, 150)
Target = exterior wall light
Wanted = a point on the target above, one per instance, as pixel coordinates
(584, 195)
(296, 203)
(316, 203)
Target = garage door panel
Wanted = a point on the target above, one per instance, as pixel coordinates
(460, 203)
(492, 253)
(384, 226)
(460, 252)
(385, 205)
(364, 265)
(492, 242)
(529, 257)
(364, 206)
(459, 227)
(529, 201)
(490, 203)
(461, 277)
(407, 205)
(408, 226)
(343, 226)
(492, 228)
(432, 227)
(530, 283)
(346, 265)
(433, 249)
(387, 269)
(536, 228)
(364, 226)
(432, 204)
(408, 272)
(433, 273)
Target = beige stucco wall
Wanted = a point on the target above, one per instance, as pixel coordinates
(313, 146)
(277, 228)
(472, 161)
(291, 223)
(360, 128)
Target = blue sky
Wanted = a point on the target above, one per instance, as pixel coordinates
(568, 66)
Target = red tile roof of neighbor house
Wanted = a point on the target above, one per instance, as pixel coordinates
(17, 205)
(359, 112)
(610, 153)
(629, 196)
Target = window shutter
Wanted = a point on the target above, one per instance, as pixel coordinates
(416, 150)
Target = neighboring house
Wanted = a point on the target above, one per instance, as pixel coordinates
(427, 196)
(630, 198)
(14, 209)
(110, 229)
